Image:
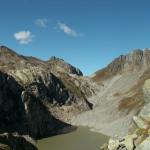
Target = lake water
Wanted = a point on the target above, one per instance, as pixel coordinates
(80, 139)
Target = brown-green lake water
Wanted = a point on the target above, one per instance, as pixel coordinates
(80, 139)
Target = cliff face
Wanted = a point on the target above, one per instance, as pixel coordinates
(11, 114)
(34, 97)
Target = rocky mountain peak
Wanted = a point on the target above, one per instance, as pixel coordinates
(138, 57)
(59, 65)
(135, 60)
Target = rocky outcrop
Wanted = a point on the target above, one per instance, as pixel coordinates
(59, 65)
(126, 143)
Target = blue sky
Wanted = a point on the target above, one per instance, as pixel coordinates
(89, 34)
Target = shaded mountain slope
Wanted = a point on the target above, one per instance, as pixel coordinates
(34, 99)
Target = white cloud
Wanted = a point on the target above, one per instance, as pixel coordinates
(41, 22)
(24, 37)
(68, 30)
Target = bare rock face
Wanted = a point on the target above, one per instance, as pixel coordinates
(11, 107)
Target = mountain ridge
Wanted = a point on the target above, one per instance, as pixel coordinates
(132, 60)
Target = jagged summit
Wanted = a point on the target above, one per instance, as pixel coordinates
(136, 59)
(57, 64)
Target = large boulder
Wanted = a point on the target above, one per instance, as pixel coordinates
(126, 143)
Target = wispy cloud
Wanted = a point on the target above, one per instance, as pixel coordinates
(24, 37)
(68, 30)
(41, 22)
